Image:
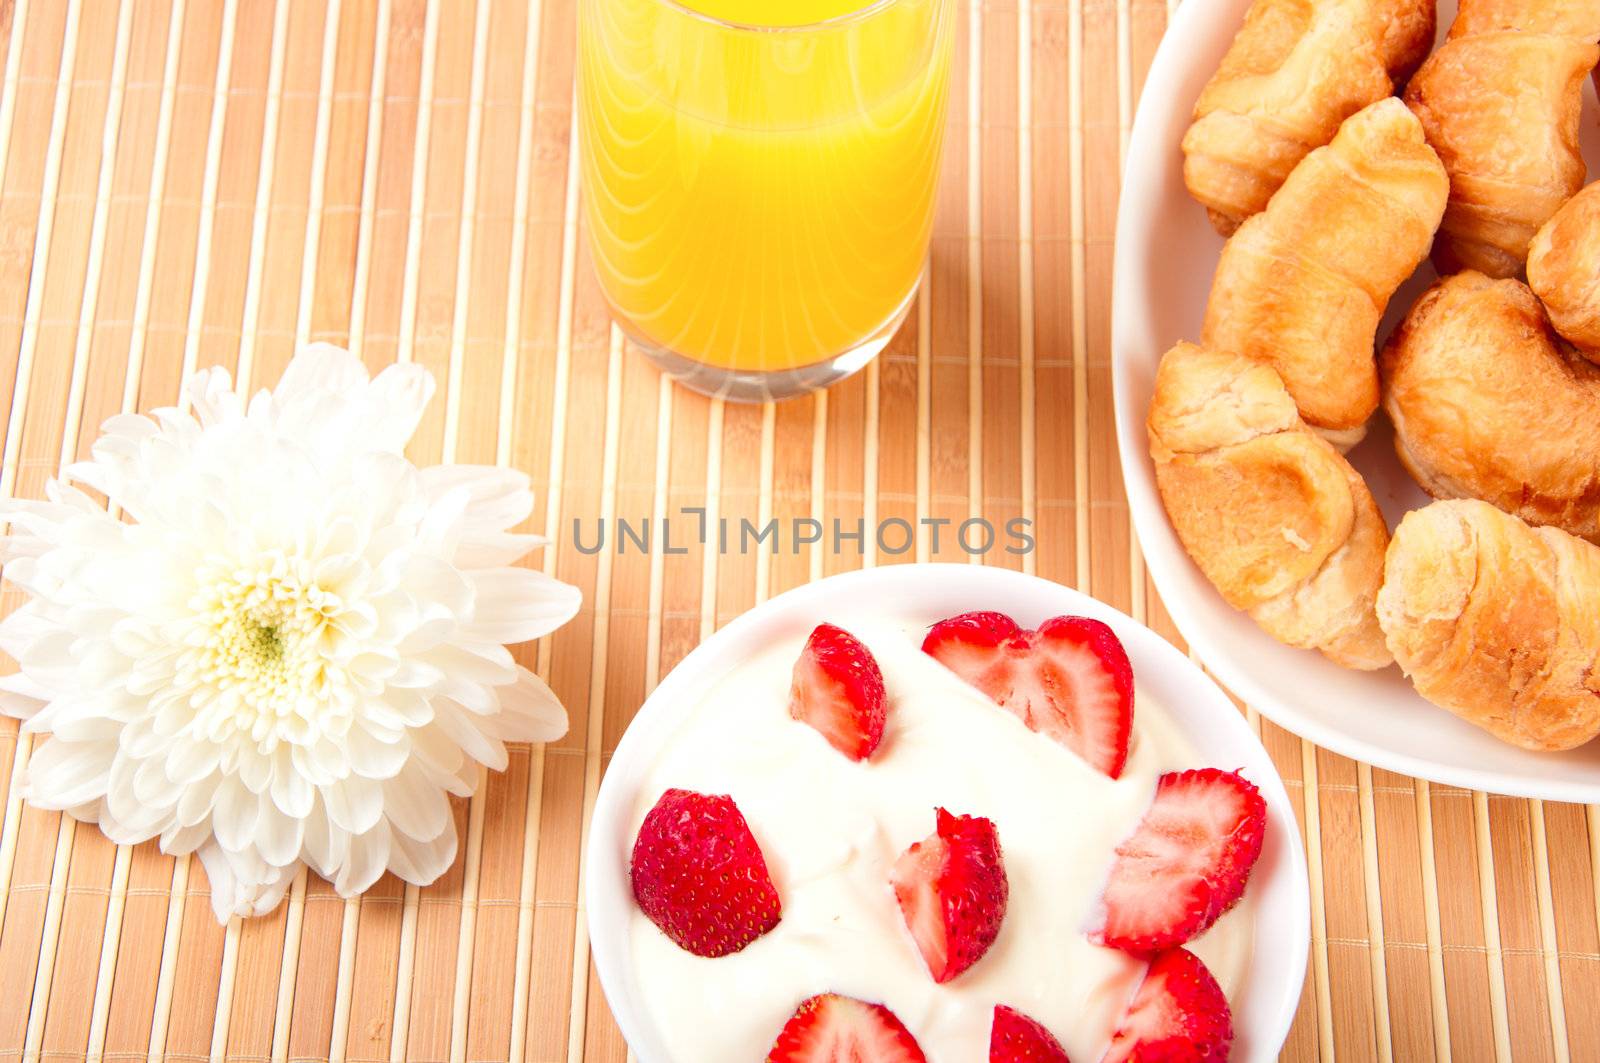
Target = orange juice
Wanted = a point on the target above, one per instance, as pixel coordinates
(759, 176)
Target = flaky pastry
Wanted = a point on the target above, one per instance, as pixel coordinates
(1501, 101)
(1496, 621)
(1564, 271)
(1303, 285)
(1486, 403)
(1274, 517)
(1295, 71)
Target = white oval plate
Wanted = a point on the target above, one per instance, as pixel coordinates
(1262, 1011)
(1166, 255)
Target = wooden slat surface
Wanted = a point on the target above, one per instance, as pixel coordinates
(194, 182)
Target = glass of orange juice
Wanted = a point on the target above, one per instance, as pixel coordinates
(759, 179)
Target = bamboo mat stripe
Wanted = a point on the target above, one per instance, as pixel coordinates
(187, 184)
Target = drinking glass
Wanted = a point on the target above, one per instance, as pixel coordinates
(759, 179)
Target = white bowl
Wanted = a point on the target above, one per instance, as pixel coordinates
(1202, 713)
(1166, 255)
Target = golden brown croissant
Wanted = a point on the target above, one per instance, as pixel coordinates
(1564, 271)
(1501, 101)
(1486, 404)
(1296, 70)
(1303, 285)
(1496, 621)
(1275, 518)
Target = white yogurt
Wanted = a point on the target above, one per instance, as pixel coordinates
(831, 830)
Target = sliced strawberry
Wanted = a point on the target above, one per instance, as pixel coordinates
(1179, 1015)
(838, 690)
(699, 875)
(1186, 863)
(1069, 680)
(1015, 1038)
(952, 891)
(829, 1028)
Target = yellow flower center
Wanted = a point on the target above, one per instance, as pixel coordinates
(262, 655)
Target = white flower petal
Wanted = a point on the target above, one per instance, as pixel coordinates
(518, 604)
(422, 862)
(151, 787)
(292, 792)
(318, 369)
(278, 836)
(531, 710)
(369, 856)
(401, 392)
(326, 846)
(211, 393)
(189, 762)
(61, 774)
(354, 804)
(243, 886)
(180, 841)
(374, 758)
(496, 498)
(416, 808)
(443, 759)
(236, 816)
(466, 733)
(495, 549)
(198, 800)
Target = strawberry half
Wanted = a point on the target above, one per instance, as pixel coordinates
(952, 891)
(699, 875)
(1186, 863)
(1179, 1015)
(1015, 1038)
(829, 1028)
(838, 690)
(1069, 680)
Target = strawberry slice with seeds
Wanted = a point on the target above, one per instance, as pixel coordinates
(699, 875)
(1015, 1038)
(838, 690)
(829, 1028)
(1069, 679)
(952, 891)
(1186, 863)
(1179, 1015)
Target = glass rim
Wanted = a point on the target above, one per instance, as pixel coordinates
(835, 22)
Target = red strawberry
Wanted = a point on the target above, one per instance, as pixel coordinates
(700, 876)
(1179, 1015)
(838, 690)
(829, 1028)
(1069, 680)
(1186, 863)
(1015, 1038)
(952, 891)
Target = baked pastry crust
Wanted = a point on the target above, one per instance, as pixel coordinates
(1303, 285)
(1501, 101)
(1496, 621)
(1488, 404)
(1564, 271)
(1295, 71)
(1275, 518)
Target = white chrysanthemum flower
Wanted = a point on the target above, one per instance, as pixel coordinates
(292, 649)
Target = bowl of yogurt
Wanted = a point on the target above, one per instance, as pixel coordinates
(831, 827)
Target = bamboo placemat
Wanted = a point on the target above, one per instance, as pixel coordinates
(198, 182)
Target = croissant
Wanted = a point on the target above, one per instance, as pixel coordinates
(1303, 285)
(1501, 101)
(1496, 622)
(1274, 517)
(1295, 71)
(1486, 404)
(1564, 271)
